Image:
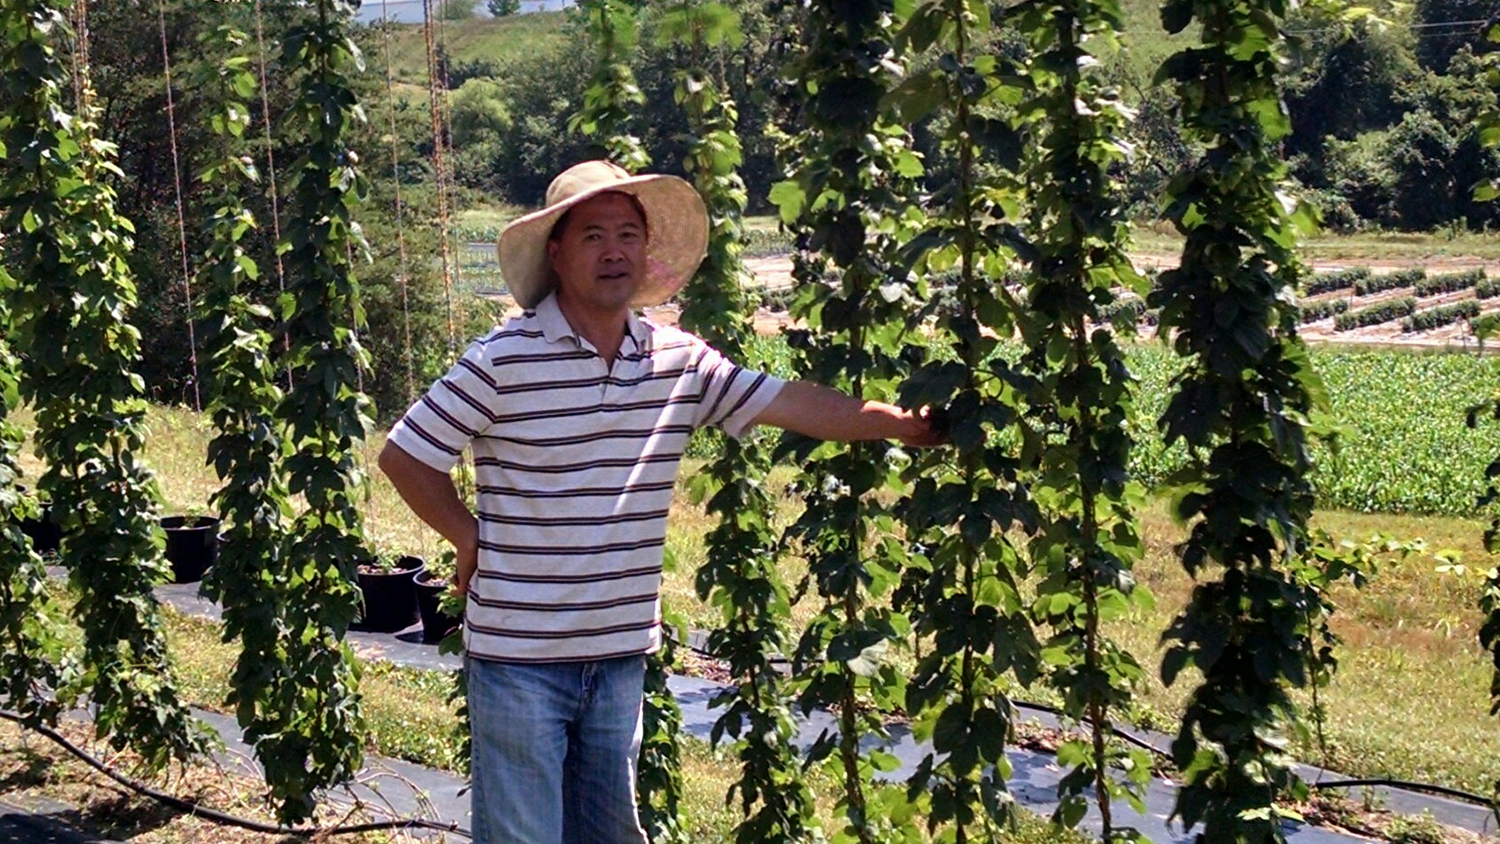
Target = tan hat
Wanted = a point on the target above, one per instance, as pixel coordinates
(676, 220)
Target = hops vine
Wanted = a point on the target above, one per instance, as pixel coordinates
(1242, 406)
(740, 575)
(325, 418)
(249, 577)
(29, 649)
(845, 203)
(71, 306)
(965, 594)
(1089, 539)
(612, 92)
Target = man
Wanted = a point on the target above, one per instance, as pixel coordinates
(578, 412)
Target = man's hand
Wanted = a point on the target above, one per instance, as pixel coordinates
(431, 495)
(466, 563)
(922, 430)
(827, 414)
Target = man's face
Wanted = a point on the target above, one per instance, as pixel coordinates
(600, 255)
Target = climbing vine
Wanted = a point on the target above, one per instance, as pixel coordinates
(740, 575)
(71, 306)
(325, 417)
(612, 93)
(964, 593)
(1242, 407)
(249, 577)
(605, 115)
(1082, 398)
(845, 202)
(29, 648)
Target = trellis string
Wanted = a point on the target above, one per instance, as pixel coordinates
(187, 284)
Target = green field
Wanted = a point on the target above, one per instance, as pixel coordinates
(507, 42)
(1404, 447)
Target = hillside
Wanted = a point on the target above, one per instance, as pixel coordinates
(498, 42)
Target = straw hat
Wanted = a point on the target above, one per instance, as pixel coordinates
(676, 220)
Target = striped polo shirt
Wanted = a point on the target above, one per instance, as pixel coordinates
(575, 464)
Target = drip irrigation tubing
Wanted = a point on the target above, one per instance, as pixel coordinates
(224, 818)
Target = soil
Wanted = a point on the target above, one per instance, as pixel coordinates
(1372, 821)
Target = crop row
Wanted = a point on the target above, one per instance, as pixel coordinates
(1390, 281)
(1339, 280)
(1449, 282)
(1313, 311)
(1376, 314)
(1441, 315)
(1131, 310)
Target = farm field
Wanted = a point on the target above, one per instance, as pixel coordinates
(1409, 699)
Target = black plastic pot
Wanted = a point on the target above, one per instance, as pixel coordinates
(390, 598)
(45, 534)
(436, 624)
(192, 546)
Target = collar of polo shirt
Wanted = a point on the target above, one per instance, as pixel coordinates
(555, 326)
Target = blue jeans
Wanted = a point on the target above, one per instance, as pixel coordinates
(555, 751)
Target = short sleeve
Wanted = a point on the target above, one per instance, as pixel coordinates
(457, 408)
(732, 396)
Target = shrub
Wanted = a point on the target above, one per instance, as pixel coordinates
(1328, 282)
(760, 243)
(1384, 312)
(1440, 316)
(1390, 281)
(503, 8)
(1449, 282)
(1314, 311)
(1487, 289)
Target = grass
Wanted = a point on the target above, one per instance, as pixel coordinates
(508, 43)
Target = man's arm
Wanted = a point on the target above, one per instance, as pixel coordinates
(431, 495)
(826, 414)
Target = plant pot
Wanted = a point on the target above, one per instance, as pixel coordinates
(44, 533)
(389, 598)
(191, 548)
(436, 624)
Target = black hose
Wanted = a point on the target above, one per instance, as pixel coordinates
(224, 818)
(1443, 790)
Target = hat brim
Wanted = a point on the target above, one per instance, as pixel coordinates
(675, 217)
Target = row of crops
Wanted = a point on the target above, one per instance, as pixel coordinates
(1359, 281)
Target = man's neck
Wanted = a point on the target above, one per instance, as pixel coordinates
(603, 328)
